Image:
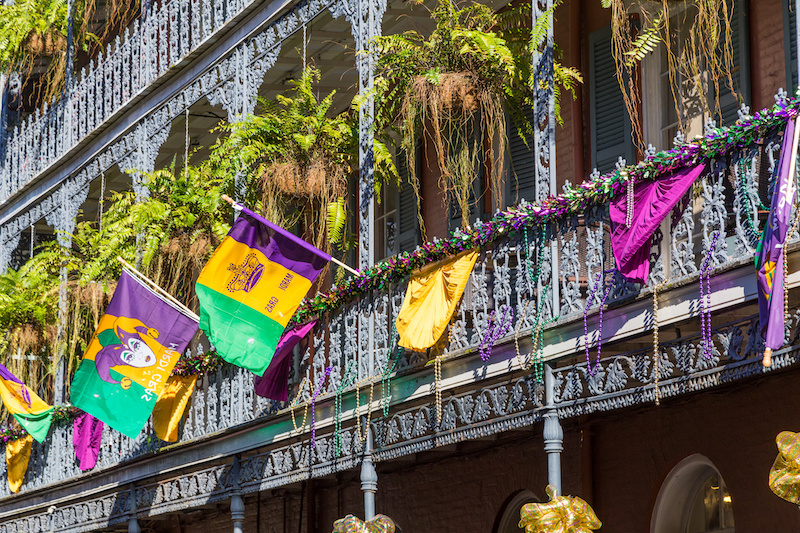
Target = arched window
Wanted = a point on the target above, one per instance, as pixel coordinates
(693, 499)
(508, 520)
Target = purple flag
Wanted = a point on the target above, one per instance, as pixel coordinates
(274, 384)
(652, 201)
(769, 255)
(87, 435)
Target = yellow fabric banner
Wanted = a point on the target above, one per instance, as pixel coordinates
(562, 514)
(784, 476)
(18, 453)
(431, 299)
(170, 406)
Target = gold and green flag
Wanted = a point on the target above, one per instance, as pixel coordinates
(131, 356)
(33, 413)
(252, 286)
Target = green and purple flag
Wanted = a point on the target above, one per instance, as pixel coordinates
(769, 255)
(252, 286)
(127, 363)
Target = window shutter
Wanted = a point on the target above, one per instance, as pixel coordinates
(408, 231)
(790, 46)
(610, 122)
(728, 102)
(522, 170)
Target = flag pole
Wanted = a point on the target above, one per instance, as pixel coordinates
(158, 289)
(236, 205)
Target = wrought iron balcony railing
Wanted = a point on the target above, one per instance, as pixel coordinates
(725, 204)
(141, 54)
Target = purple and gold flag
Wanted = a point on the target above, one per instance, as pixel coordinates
(769, 255)
(130, 357)
(252, 286)
(33, 413)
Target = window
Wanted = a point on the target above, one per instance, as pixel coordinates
(386, 216)
(693, 499)
(662, 117)
(790, 45)
(610, 122)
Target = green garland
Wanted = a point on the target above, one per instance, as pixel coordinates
(574, 201)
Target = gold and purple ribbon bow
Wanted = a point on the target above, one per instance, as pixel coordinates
(352, 524)
(562, 514)
(784, 476)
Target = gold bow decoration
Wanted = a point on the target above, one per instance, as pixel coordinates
(784, 476)
(352, 524)
(562, 514)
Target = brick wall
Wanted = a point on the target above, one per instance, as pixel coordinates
(616, 462)
(767, 60)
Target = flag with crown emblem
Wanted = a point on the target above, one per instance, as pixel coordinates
(251, 287)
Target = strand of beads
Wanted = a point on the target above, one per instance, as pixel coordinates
(629, 198)
(322, 379)
(297, 397)
(495, 331)
(363, 437)
(656, 352)
(386, 378)
(600, 276)
(347, 380)
(437, 377)
(786, 264)
(533, 275)
(705, 299)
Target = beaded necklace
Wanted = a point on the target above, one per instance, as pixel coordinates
(705, 299)
(656, 352)
(305, 409)
(386, 378)
(600, 275)
(337, 402)
(533, 275)
(322, 379)
(495, 330)
(537, 361)
(437, 376)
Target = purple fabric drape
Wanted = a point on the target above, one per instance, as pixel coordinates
(87, 435)
(274, 384)
(769, 255)
(652, 201)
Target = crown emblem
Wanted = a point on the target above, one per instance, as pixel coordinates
(246, 275)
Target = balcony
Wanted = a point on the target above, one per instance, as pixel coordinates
(713, 232)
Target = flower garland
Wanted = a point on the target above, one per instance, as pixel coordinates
(573, 201)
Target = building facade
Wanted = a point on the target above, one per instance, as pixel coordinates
(678, 442)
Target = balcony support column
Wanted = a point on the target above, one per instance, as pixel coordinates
(237, 505)
(63, 221)
(369, 478)
(544, 112)
(553, 434)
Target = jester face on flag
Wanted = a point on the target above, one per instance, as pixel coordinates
(30, 411)
(127, 363)
(769, 254)
(252, 286)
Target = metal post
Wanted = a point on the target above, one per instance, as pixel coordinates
(70, 46)
(133, 523)
(237, 505)
(369, 478)
(553, 434)
(133, 526)
(544, 138)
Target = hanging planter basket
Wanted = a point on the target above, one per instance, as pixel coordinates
(311, 180)
(47, 44)
(455, 92)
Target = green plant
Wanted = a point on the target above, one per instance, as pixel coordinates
(696, 36)
(454, 87)
(33, 36)
(298, 159)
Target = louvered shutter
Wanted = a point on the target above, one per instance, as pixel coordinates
(522, 169)
(728, 102)
(408, 231)
(790, 47)
(610, 122)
